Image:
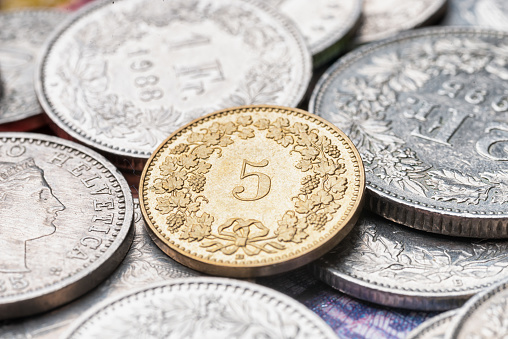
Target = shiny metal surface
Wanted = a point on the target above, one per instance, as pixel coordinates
(434, 328)
(202, 308)
(396, 266)
(485, 13)
(66, 217)
(385, 18)
(327, 25)
(22, 35)
(120, 77)
(144, 264)
(428, 112)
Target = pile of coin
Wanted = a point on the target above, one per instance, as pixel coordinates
(265, 140)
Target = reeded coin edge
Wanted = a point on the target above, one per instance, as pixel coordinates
(472, 305)
(259, 267)
(92, 276)
(47, 12)
(74, 131)
(397, 208)
(216, 284)
(431, 324)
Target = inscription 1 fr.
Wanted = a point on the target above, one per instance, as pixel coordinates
(264, 181)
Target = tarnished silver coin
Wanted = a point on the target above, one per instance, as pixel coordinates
(327, 25)
(22, 35)
(144, 264)
(434, 328)
(385, 18)
(396, 266)
(484, 316)
(122, 76)
(428, 112)
(486, 13)
(202, 308)
(65, 224)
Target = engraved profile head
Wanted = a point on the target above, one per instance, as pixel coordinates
(28, 209)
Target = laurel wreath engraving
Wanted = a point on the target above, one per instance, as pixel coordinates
(183, 178)
(364, 100)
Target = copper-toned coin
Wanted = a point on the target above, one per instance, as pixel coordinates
(252, 191)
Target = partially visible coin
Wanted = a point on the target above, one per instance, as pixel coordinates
(120, 77)
(385, 18)
(393, 265)
(144, 264)
(327, 25)
(484, 316)
(202, 308)
(22, 35)
(428, 111)
(434, 328)
(486, 13)
(66, 214)
(252, 191)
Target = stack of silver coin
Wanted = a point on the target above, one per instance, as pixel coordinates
(426, 107)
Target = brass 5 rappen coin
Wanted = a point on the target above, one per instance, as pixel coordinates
(252, 191)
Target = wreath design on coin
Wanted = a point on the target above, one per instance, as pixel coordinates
(361, 112)
(87, 93)
(183, 177)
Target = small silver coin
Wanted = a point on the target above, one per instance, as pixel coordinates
(385, 18)
(392, 265)
(484, 316)
(66, 215)
(434, 328)
(22, 36)
(485, 13)
(428, 111)
(144, 264)
(122, 76)
(202, 308)
(327, 25)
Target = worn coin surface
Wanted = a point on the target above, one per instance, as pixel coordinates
(144, 264)
(252, 191)
(327, 25)
(428, 111)
(385, 18)
(22, 35)
(202, 308)
(393, 265)
(434, 328)
(122, 76)
(484, 316)
(486, 13)
(66, 214)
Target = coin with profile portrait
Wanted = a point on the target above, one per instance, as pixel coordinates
(66, 214)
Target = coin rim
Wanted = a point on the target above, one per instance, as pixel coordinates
(431, 323)
(261, 269)
(393, 206)
(88, 277)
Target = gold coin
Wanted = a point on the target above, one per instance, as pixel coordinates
(252, 191)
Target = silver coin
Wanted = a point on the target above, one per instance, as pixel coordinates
(385, 18)
(434, 328)
(428, 113)
(396, 266)
(122, 76)
(22, 35)
(486, 13)
(66, 214)
(202, 308)
(484, 316)
(144, 264)
(327, 25)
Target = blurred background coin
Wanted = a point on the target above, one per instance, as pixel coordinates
(486, 13)
(22, 35)
(66, 216)
(428, 113)
(435, 328)
(201, 308)
(120, 77)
